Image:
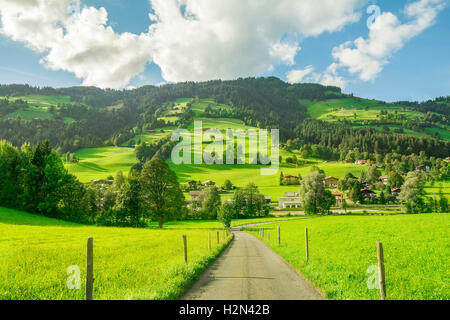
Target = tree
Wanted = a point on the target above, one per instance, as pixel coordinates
(355, 193)
(227, 185)
(395, 179)
(161, 191)
(315, 198)
(382, 198)
(226, 214)
(129, 203)
(443, 202)
(413, 191)
(119, 179)
(249, 202)
(9, 175)
(210, 202)
(371, 175)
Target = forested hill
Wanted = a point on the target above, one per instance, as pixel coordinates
(78, 117)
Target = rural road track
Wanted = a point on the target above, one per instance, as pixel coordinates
(249, 270)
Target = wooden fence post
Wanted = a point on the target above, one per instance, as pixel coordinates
(185, 248)
(380, 257)
(223, 233)
(268, 235)
(306, 245)
(262, 234)
(218, 238)
(209, 241)
(279, 238)
(90, 268)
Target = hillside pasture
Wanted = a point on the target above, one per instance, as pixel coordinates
(335, 109)
(39, 106)
(99, 163)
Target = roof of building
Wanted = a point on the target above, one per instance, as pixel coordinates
(291, 194)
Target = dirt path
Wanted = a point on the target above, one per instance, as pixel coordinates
(249, 270)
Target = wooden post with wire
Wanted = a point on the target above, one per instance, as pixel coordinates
(306, 245)
(90, 268)
(185, 248)
(279, 237)
(218, 237)
(209, 241)
(380, 256)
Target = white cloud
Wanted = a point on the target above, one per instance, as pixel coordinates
(297, 76)
(329, 78)
(80, 43)
(367, 57)
(202, 39)
(189, 39)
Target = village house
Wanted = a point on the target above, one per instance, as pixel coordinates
(339, 198)
(396, 192)
(384, 179)
(361, 162)
(103, 182)
(448, 158)
(423, 168)
(368, 195)
(195, 195)
(331, 182)
(291, 200)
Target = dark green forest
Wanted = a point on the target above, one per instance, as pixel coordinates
(261, 102)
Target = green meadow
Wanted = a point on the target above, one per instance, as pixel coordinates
(128, 263)
(358, 110)
(39, 107)
(342, 248)
(100, 163)
(334, 109)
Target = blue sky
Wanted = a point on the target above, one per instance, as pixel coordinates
(419, 69)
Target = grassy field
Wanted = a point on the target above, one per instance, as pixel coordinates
(99, 163)
(358, 110)
(342, 249)
(128, 263)
(364, 109)
(39, 107)
(241, 175)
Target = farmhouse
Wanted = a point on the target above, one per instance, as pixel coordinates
(195, 195)
(396, 192)
(361, 162)
(368, 195)
(103, 182)
(384, 179)
(291, 200)
(339, 198)
(331, 182)
(267, 199)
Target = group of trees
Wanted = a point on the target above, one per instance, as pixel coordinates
(34, 179)
(332, 139)
(313, 194)
(247, 202)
